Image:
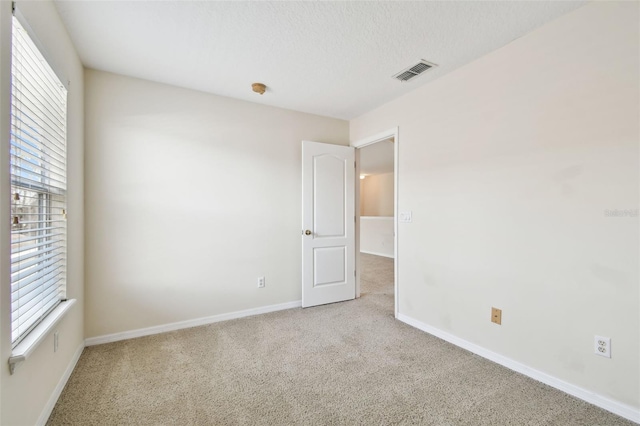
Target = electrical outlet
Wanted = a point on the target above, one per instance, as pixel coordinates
(261, 282)
(405, 217)
(602, 346)
(55, 341)
(496, 316)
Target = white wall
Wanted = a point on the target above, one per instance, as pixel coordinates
(376, 235)
(509, 166)
(26, 396)
(376, 195)
(190, 198)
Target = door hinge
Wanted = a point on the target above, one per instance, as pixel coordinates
(354, 164)
(354, 272)
(13, 7)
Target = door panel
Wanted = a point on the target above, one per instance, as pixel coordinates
(332, 262)
(328, 208)
(329, 196)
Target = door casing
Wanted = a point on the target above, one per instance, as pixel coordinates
(361, 143)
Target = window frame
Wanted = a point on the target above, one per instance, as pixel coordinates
(47, 194)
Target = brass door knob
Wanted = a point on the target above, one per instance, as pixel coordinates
(307, 232)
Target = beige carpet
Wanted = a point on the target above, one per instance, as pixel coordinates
(348, 363)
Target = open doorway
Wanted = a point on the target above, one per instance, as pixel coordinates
(376, 236)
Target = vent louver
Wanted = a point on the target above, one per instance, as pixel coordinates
(414, 71)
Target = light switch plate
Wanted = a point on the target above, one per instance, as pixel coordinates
(405, 217)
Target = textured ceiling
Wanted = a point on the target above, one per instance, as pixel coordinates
(329, 58)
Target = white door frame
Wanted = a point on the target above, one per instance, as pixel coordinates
(361, 143)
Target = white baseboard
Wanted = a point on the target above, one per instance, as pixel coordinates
(623, 410)
(53, 399)
(108, 338)
(390, 256)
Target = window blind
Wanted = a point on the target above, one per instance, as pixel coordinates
(38, 186)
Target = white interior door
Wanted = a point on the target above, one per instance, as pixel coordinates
(328, 223)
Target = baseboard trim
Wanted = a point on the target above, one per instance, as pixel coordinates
(53, 399)
(390, 256)
(623, 410)
(109, 338)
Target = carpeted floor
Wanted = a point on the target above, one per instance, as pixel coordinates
(347, 363)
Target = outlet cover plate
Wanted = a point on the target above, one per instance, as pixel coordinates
(496, 316)
(405, 217)
(602, 346)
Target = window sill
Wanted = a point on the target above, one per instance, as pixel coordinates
(37, 335)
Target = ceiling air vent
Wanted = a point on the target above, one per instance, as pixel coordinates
(414, 71)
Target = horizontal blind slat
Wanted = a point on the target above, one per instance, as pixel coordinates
(30, 167)
(37, 121)
(27, 69)
(37, 275)
(36, 252)
(26, 323)
(38, 295)
(40, 68)
(28, 266)
(24, 292)
(44, 221)
(32, 101)
(34, 298)
(36, 229)
(33, 131)
(37, 308)
(41, 72)
(24, 240)
(43, 162)
(27, 247)
(20, 141)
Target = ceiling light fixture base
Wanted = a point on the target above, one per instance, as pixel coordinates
(259, 88)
